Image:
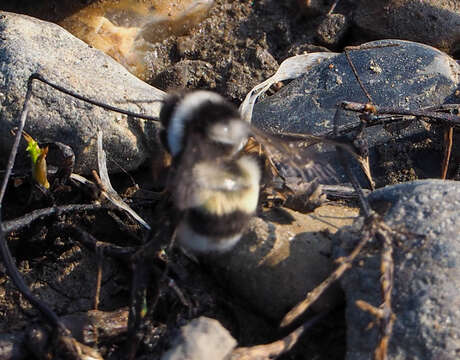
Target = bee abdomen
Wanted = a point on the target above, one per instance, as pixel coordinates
(204, 232)
(218, 225)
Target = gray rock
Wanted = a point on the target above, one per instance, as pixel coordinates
(433, 22)
(29, 45)
(398, 73)
(332, 29)
(283, 256)
(426, 276)
(201, 339)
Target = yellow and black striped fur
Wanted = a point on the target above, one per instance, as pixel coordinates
(213, 184)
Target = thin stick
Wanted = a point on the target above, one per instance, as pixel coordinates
(345, 264)
(355, 72)
(107, 190)
(449, 119)
(26, 220)
(383, 314)
(39, 77)
(100, 258)
(276, 348)
(4, 250)
(386, 282)
(23, 288)
(331, 10)
(448, 141)
(90, 242)
(14, 150)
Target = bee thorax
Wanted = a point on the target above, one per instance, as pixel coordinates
(194, 108)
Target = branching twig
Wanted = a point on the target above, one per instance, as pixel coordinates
(345, 264)
(26, 220)
(384, 314)
(74, 349)
(427, 115)
(90, 242)
(106, 187)
(5, 251)
(276, 348)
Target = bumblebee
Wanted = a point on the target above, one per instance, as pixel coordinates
(213, 183)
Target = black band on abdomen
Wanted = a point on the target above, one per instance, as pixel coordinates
(219, 226)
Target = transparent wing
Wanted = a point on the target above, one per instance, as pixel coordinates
(295, 156)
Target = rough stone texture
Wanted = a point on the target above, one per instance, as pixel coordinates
(427, 274)
(12, 347)
(332, 29)
(433, 22)
(201, 339)
(283, 256)
(28, 45)
(408, 75)
(187, 74)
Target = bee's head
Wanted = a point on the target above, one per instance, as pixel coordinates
(206, 115)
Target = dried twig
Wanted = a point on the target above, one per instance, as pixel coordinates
(28, 219)
(90, 242)
(37, 76)
(14, 149)
(5, 252)
(100, 260)
(427, 115)
(141, 275)
(373, 226)
(276, 348)
(345, 264)
(448, 141)
(73, 349)
(355, 72)
(384, 314)
(332, 8)
(107, 189)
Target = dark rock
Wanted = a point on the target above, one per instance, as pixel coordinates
(426, 274)
(200, 339)
(283, 255)
(186, 74)
(395, 73)
(263, 59)
(332, 29)
(433, 22)
(303, 48)
(12, 346)
(29, 45)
